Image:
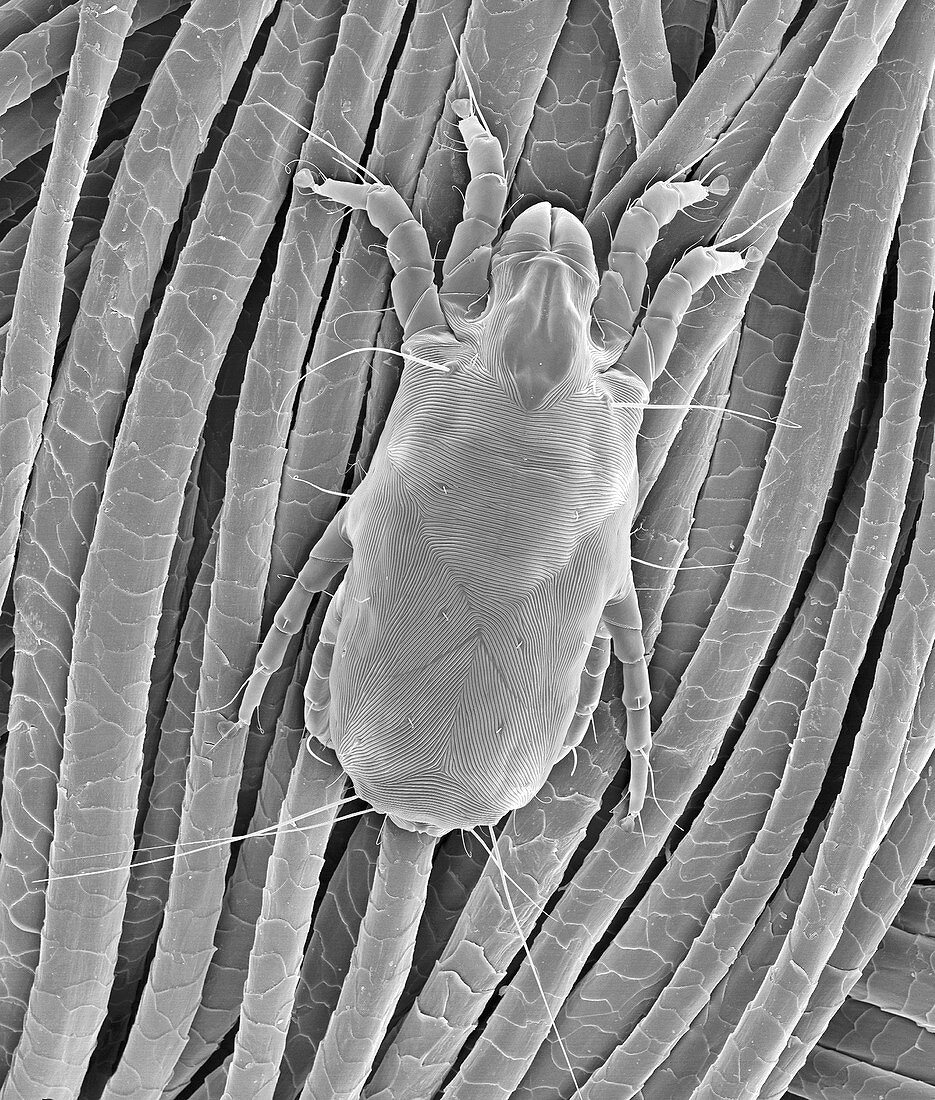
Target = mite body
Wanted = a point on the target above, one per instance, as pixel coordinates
(487, 548)
(486, 544)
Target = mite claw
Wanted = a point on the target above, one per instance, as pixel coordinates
(305, 180)
(719, 185)
(753, 255)
(225, 729)
(462, 107)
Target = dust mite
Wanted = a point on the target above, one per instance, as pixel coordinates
(487, 548)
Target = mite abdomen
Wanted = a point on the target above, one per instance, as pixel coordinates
(456, 673)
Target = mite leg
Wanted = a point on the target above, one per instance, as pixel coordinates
(415, 296)
(592, 679)
(649, 350)
(467, 266)
(621, 290)
(330, 554)
(317, 688)
(622, 619)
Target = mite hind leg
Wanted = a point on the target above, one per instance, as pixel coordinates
(466, 270)
(592, 680)
(329, 555)
(317, 686)
(623, 621)
(415, 296)
(622, 285)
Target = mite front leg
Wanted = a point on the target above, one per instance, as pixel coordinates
(329, 555)
(622, 619)
(618, 300)
(467, 265)
(415, 296)
(648, 352)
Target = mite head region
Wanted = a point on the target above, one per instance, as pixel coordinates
(537, 328)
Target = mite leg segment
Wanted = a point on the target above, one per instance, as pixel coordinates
(622, 619)
(618, 300)
(415, 296)
(649, 350)
(329, 555)
(592, 680)
(317, 687)
(467, 265)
